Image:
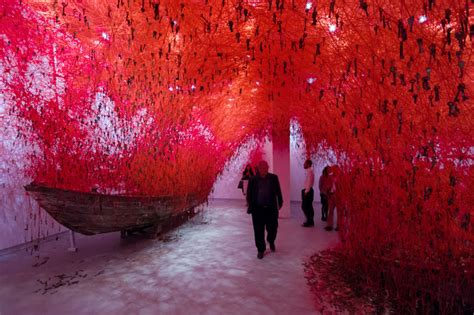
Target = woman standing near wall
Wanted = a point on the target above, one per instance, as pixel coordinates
(246, 175)
(331, 196)
(324, 185)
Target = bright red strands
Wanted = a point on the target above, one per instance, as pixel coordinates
(148, 97)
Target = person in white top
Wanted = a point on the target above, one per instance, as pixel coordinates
(307, 194)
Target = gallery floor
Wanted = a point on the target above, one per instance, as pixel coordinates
(207, 266)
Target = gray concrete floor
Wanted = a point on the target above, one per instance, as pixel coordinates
(207, 266)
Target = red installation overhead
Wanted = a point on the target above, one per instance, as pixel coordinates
(153, 98)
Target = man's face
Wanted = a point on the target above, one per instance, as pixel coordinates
(306, 165)
(263, 168)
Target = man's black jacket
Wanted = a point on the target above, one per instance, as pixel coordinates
(252, 193)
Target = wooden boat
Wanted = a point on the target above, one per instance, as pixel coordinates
(94, 213)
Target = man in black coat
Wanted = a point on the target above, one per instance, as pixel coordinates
(264, 199)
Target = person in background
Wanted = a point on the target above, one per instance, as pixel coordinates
(307, 194)
(324, 186)
(331, 193)
(264, 199)
(246, 175)
(248, 172)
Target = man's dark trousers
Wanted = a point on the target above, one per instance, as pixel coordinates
(307, 205)
(264, 217)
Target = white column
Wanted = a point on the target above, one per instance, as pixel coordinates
(281, 167)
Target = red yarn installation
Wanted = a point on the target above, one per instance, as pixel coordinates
(153, 98)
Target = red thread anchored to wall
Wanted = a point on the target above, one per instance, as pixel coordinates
(152, 98)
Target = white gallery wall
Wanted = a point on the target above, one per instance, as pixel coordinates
(226, 185)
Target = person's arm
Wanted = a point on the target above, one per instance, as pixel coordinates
(278, 192)
(249, 195)
(309, 182)
(249, 191)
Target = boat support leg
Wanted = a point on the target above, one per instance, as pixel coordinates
(157, 230)
(72, 242)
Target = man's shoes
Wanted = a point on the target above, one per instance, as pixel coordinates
(272, 247)
(260, 255)
(307, 224)
(324, 219)
(328, 228)
(336, 229)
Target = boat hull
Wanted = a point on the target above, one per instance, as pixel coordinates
(94, 213)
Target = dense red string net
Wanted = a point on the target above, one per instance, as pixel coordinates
(153, 97)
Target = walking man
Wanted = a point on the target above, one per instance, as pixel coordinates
(264, 199)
